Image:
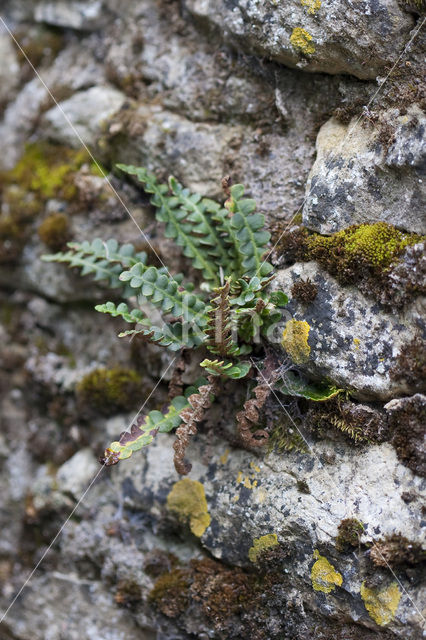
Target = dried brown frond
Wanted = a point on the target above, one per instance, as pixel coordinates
(219, 329)
(176, 382)
(250, 416)
(191, 416)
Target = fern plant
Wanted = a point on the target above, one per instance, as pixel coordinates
(224, 315)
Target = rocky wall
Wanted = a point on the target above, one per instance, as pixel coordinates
(318, 108)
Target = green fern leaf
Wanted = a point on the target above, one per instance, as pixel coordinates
(102, 260)
(144, 429)
(169, 335)
(170, 211)
(250, 237)
(226, 369)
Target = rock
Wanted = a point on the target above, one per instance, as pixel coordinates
(313, 35)
(351, 341)
(84, 609)
(75, 475)
(407, 419)
(368, 174)
(9, 70)
(261, 500)
(83, 16)
(85, 112)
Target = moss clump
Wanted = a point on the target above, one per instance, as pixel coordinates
(349, 533)
(382, 261)
(324, 576)
(43, 172)
(262, 544)
(359, 422)
(305, 291)
(359, 249)
(171, 592)
(128, 593)
(110, 390)
(381, 604)
(54, 231)
(295, 340)
(188, 500)
(285, 437)
(396, 550)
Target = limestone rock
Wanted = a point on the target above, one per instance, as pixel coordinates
(86, 111)
(351, 340)
(366, 173)
(332, 37)
(84, 16)
(9, 69)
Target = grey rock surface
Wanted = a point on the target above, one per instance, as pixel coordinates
(331, 37)
(75, 15)
(199, 89)
(368, 173)
(350, 342)
(84, 113)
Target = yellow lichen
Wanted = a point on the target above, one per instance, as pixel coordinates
(188, 500)
(295, 340)
(302, 40)
(381, 605)
(324, 576)
(260, 545)
(312, 5)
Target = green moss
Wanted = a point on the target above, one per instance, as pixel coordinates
(350, 530)
(359, 249)
(43, 172)
(54, 231)
(188, 500)
(110, 390)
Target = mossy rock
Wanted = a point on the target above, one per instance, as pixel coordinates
(110, 390)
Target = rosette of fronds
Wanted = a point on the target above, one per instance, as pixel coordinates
(225, 313)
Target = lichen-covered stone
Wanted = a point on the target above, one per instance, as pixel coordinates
(351, 341)
(368, 173)
(314, 36)
(85, 112)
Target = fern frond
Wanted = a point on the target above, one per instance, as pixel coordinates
(169, 335)
(250, 237)
(103, 260)
(249, 417)
(226, 369)
(219, 330)
(165, 293)
(204, 233)
(191, 416)
(170, 211)
(144, 430)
